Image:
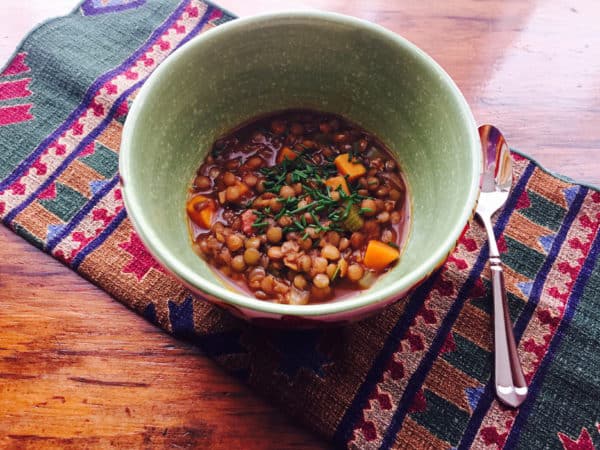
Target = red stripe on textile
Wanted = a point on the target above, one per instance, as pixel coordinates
(15, 114)
(16, 66)
(15, 89)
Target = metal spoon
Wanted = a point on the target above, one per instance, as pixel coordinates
(496, 181)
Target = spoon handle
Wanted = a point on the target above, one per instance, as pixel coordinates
(511, 387)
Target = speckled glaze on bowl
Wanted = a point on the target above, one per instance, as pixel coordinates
(317, 60)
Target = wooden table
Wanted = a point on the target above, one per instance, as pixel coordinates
(77, 372)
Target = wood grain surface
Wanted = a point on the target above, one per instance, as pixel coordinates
(78, 371)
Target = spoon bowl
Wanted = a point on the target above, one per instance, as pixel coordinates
(496, 179)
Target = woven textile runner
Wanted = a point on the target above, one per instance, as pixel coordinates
(416, 376)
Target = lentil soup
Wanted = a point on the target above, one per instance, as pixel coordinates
(299, 207)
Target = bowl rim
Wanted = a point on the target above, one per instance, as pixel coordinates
(219, 291)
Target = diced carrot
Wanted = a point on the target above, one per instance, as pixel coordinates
(284, 153)
(379, 255)
(335, 182)
(201, 210)
(354, 170)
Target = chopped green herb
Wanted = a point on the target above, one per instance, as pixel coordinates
(321, 207)
(314, 217)
(336, 273)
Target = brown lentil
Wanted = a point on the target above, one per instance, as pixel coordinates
(305, 263)
(333, 237)
(287, 192)
(355, 272)
(202, 182)
(232, 164)
(344, 244)
(357, 240)
(306, 244)
(234, 242)
(395, 217)
(250, 180)
(300, 282)
(383, 217)
(251, 256)
(233, 193)
(285, 221)
(252, 242)
(275, 253)
(395, 194)
(382, 192)
(343, 266)
(372, 183)
(321, 281)
(238, 264)
(229, 179)
(387, 236)
(274, 234)
(369, 206)
(330, 252)
(319, 264)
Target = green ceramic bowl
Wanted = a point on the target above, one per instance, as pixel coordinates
(314, 60)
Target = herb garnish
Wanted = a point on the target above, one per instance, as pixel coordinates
(325, 213)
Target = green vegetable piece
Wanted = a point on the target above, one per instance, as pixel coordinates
(353, 221)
